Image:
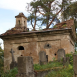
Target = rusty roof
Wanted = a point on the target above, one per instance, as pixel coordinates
(64, 25)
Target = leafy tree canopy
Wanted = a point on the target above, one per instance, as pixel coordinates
(71, 12)
(45, 12)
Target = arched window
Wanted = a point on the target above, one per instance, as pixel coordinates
(18, 21)
(24, 22)
(20, 48)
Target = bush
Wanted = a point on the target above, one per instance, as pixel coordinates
(10, 73)
(1, 59)
(71, 58)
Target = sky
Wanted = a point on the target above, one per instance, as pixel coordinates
(8, 10)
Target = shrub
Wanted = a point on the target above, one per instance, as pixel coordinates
(71, 58)
(10, 73)
(1, 59)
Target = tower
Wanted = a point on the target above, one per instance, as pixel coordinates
(21, 20)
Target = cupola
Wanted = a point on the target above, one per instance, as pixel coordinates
(21, 20)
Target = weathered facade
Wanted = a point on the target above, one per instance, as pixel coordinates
(31, 43)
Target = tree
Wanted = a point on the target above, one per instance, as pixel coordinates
(45, 11)
(71, 12)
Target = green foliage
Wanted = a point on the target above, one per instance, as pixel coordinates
(10, 73)
(1, 59)
(71, 58)
(55, 26)
(48, 65)
(66, 72)
(64, 25)
(71, 11)
(45, 11)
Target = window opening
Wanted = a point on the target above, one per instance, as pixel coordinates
(47, 45)
(20, 48)
(24, 22)
(47, 57)
(55, 54)
(21, 55)
(19, 21)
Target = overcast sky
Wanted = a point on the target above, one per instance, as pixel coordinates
(8, 10)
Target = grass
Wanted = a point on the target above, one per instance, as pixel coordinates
(48, 65)
(66, 72)
(60, 71)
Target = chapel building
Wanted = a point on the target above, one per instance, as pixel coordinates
(30, 43)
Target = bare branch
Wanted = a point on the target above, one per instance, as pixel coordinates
(40, 12)
(55, 15)
(53, 18)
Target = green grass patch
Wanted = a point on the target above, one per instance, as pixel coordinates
(48, 65)
(66, 72)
